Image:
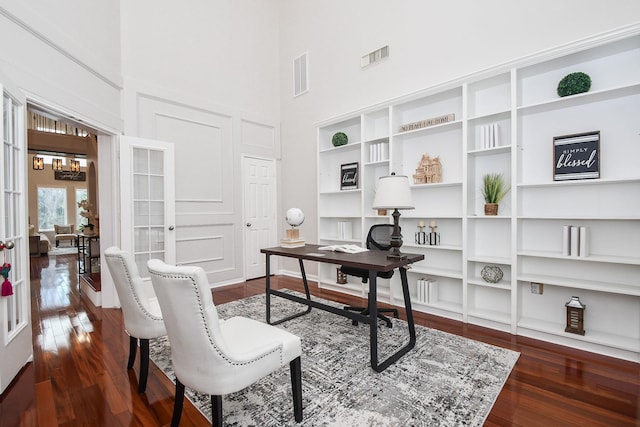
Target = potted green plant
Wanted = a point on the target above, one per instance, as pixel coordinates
(494, 189)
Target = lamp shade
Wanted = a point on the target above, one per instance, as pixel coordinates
(393, 192)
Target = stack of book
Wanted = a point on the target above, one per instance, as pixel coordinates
(575, 241)
(291, 243)
(427, 291)
(292, 240)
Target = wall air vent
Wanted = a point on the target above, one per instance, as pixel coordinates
(375, 56)
(301, 74)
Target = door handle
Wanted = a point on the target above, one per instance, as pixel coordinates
(248, 224)
(171, 228)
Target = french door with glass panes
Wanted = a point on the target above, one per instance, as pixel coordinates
(16, 347)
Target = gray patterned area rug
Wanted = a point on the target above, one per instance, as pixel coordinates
(446, 380)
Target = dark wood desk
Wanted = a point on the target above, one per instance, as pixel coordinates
(374, 261)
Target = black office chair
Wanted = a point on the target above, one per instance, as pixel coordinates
(378, 238)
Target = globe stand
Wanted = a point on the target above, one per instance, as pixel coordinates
(293, 234)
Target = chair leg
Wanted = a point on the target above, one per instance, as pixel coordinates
(133, 348)
(216, 411)
(178, 401)
(296, 387)
(144, 365)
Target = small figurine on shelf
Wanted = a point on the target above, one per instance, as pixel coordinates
(434, 237)
(421, 236)
(429, 170)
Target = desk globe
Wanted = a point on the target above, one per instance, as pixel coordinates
(295, 218)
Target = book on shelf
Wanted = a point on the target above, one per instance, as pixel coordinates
(348, 249)
(291, 243)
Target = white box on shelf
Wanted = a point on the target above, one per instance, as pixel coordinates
(584, 242)
(575, 240)
(566, 240)
(433, 291)
(345, 230)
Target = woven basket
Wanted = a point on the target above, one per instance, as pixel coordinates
(491, 209)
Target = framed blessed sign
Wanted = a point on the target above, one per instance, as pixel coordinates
(349, 176)
(576, 156)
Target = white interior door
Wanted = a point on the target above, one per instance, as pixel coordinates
(16, 347)
(147, 200)
(259, 212)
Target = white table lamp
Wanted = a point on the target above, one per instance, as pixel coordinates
(393, 192)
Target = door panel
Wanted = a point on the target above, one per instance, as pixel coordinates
(148, 200)
(259, 212)
(16, 347)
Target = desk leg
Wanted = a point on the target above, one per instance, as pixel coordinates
(379, 367)
(373, 316)
(270, 292)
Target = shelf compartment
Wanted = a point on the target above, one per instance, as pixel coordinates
(488, 96)
(492, 304)
(606, 199)
(450, 231)
(489, 239)
(607, 241)
(591, 285)
(609, 65)
(618, 328)
(331, 228)
(477, 128)
(351, 127)
(615, 120)
(624, 279)
(435, 201)
(376, 125)
(343, 204)
(579, 99)
(448, 295)
(446, 144)
(498, 161)
(475, 278)
(428, 107)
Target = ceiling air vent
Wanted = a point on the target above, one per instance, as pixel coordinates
(301, 74)
(375, 56)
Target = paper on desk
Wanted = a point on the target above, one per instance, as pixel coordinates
(348, 249)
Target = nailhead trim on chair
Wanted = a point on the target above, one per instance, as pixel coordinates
(135, 295)
(279, 348)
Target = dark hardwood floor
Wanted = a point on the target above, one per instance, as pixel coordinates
(79, 376)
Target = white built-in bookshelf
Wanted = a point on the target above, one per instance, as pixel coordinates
(518, 104)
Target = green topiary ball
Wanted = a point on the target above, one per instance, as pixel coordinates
(574, 83)
(339, 139)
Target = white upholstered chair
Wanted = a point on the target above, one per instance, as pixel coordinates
(140, 309)
(64, 232)
(215, 356)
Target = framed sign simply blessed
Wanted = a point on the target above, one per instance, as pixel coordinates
(349, 176)
(576, 156)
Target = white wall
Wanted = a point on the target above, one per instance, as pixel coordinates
(221, 51)
(65, 55)
(205, 76)
(430, 42)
